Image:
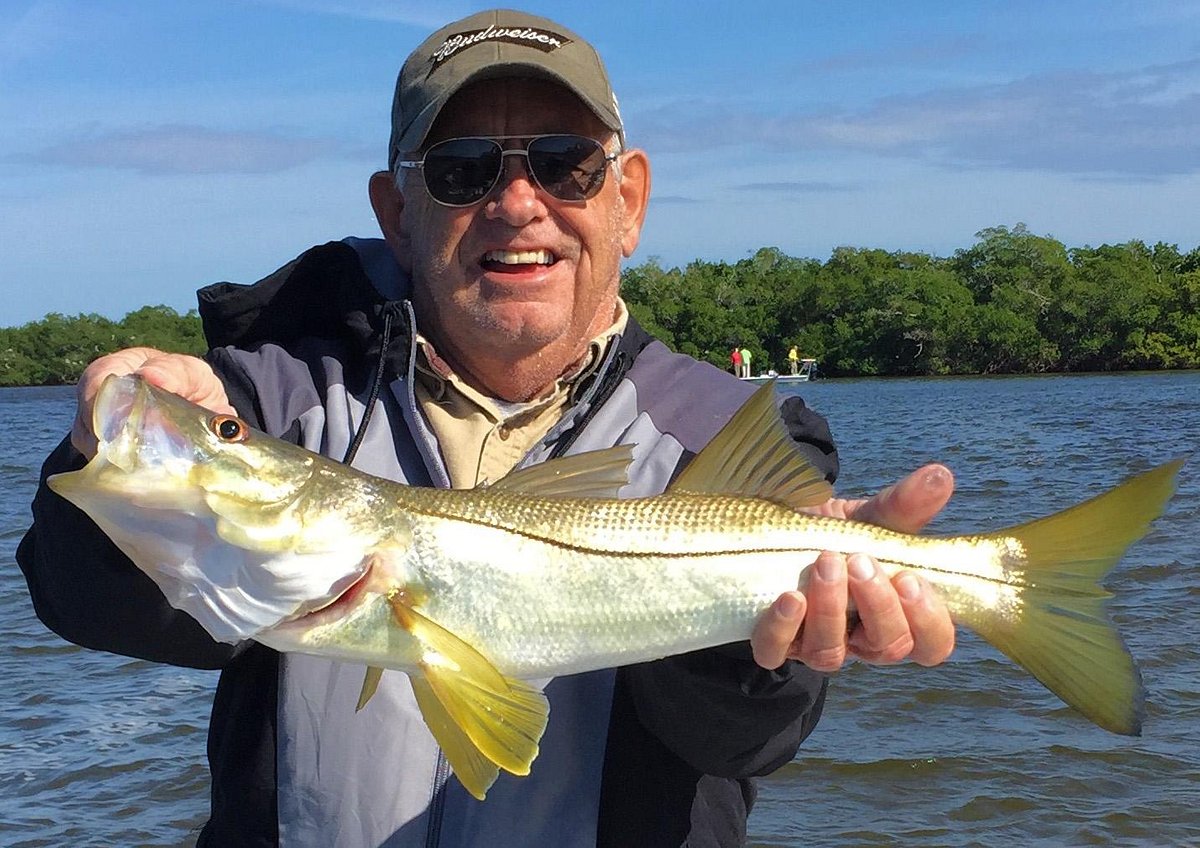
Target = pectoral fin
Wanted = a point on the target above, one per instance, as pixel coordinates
(483, 720)
(475, 771)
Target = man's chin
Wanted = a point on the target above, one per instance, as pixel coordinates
(522, 326)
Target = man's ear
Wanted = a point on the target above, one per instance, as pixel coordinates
(635, 192)
(388, 202)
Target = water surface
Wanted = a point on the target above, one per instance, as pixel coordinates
(99, 750)
(975, 752)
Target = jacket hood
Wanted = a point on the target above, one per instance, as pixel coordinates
(323, 293)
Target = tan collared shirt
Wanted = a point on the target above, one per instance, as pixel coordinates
(482, 438)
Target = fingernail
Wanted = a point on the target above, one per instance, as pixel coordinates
(831, 568)
(937, 477)
(860, 567)
(908, 587)
(788, 606)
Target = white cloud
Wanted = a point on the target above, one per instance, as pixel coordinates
(1143, 122)
(897, 54)
(1138, 123)
(182, 149)
(787, 188)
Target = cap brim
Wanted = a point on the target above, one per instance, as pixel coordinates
(415, 134)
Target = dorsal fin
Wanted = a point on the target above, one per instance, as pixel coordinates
(594, 474)
(754, 455)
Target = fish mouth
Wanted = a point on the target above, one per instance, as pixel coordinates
(141, 450)
(120, 402)
(132, 420)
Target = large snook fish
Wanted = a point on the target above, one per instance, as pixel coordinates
(547, 573)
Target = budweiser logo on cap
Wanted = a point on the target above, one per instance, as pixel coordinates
(542, 40)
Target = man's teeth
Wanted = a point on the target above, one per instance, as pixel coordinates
(519, 257)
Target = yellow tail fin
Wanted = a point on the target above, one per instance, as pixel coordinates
(1061, 634)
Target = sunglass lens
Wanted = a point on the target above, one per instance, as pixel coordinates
(570, 167)
(461, 171)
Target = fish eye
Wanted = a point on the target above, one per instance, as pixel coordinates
(229, 429)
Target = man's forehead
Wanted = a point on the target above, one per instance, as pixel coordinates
(512, 105)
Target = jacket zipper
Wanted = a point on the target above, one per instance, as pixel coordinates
(612, 369)
(437, 806)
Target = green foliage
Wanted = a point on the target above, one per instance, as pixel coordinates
(56, 349)
(1014, 302)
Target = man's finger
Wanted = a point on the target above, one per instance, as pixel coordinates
(823, 639)
(884, 635)
(930, 622)
(910, 504)
(776, 629)
(190, 378)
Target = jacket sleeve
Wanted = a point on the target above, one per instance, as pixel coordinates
(88, 592)
(722, 713)
(717, 709)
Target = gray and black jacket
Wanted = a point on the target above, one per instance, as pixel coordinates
(657, 754)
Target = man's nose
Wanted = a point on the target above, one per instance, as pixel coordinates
(515, 197)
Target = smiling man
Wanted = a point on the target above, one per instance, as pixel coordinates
(516, 281)
(485, 331)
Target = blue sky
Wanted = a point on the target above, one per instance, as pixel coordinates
(148, 148)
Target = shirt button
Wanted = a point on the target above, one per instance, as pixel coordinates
(503, 432)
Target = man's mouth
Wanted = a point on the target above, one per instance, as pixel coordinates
(512, 261)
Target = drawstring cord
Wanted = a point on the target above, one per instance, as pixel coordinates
(389, 312)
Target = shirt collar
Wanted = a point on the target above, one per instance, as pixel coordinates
(438, 377)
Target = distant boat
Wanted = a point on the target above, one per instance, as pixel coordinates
(805, 373)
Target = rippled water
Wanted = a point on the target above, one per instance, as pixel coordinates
(98, 750)
(95, 749)
(975, 752)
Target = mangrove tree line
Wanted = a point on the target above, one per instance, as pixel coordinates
(1014, 302)
(56, 349)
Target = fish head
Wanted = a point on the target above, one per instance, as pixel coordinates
(237, 528)
(160, 452)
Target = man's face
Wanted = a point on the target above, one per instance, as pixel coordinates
(519, 274)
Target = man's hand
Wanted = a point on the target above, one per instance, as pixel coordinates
(901, 618)
(186, 376)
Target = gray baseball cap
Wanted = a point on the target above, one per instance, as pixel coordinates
(488, 45)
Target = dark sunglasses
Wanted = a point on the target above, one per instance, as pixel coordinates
(461, 171)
